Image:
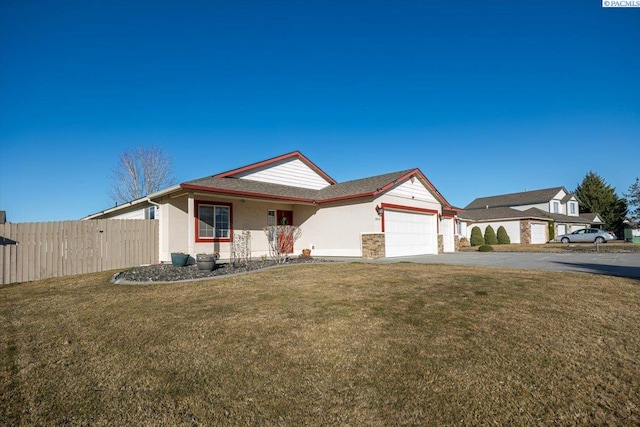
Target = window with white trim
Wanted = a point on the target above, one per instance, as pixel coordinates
(572, 207)
(556, 207)
(271, 218)
(214, 221)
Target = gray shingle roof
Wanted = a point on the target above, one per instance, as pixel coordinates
(503, 213)
(494, 214)
(515, 199)
(357, 187)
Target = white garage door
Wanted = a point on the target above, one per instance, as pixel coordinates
(410, 233)
(562, 229)
(538, 234)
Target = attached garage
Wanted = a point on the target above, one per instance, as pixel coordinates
(410, 233)
(538, 233)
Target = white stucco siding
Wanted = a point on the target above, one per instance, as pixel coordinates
(447, 229)
(464, 227)
(252, 216)
(335, 230)
(292, 172)
(412, 191)
(174, 223)
(512, 228)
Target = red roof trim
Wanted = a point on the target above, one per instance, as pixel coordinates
(267, 162)
(408, 208)
(388, 186)
(243, 193)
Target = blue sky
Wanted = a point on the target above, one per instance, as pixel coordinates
(485, 97)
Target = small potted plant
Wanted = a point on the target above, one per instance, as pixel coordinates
(306, 252)
(207, 261)
(179, 259)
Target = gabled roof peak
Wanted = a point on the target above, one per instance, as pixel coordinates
(517, 199)
(292, 155)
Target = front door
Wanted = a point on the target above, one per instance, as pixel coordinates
(285, 240)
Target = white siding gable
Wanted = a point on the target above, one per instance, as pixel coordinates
(293, 172)
(561, 195)
(412, 190)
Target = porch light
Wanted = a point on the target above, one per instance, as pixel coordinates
(379, 210)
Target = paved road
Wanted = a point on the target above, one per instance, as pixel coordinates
(625, 265)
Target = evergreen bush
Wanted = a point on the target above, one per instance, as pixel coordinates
(503, 237)
(552, 230)
(490, 236)
(476, 236)
(485, 248)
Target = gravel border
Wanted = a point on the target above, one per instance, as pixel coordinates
(167, 273)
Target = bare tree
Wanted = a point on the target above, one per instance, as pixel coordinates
(281, 239)
(140, 171)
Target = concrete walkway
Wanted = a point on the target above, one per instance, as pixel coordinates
(613, 264)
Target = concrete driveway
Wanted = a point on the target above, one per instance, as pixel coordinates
(624, 265)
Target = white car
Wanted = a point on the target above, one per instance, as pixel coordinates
(587, 235)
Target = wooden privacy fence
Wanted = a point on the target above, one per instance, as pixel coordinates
(39, 250)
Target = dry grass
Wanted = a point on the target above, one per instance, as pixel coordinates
(610, 247)
(336, 344)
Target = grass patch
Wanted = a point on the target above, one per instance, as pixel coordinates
(609, 247)
(334, 344)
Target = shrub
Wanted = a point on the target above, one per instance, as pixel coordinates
(503, 237)
(485, 248)
(490, 236)
(464, 242)
(476, 236)
(552, 230)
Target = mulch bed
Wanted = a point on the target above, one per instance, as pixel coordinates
(169, 273)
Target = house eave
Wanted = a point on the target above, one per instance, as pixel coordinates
(148, 199)
(246, 194)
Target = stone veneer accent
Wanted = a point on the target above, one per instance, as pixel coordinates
(373, 245)
(525, 232)
(440, 244)
(456, 242)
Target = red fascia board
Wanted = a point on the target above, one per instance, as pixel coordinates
(277, 159)
(243, 193)
(407, 208)
(451, 211)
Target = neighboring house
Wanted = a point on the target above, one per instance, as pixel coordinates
(393, 214)
(526, 215)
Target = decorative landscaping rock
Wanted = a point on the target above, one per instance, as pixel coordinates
(169, 273)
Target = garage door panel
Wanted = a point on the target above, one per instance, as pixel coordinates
(410, 233)
(538, 233)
